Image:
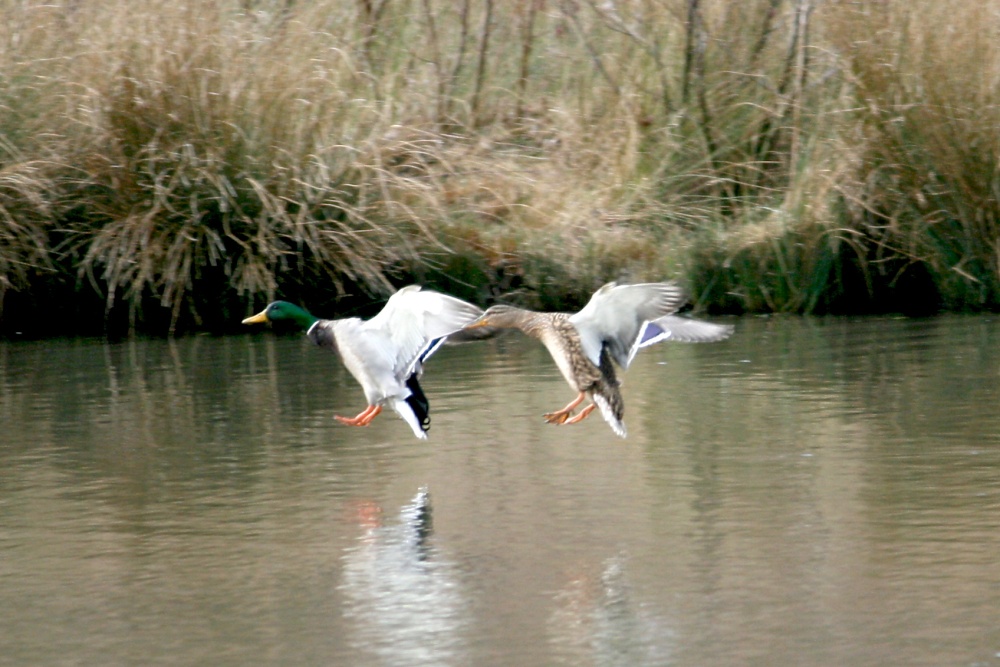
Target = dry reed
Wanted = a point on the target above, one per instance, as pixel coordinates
(189, 157)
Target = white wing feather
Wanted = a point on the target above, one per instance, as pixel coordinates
(413, 320)
(683, 330)
(616, 315)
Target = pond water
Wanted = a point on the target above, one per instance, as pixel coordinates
(810, 492)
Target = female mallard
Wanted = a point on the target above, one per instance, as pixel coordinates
(618, 320)
(385, 354)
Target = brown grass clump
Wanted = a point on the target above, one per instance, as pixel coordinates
(926, 74)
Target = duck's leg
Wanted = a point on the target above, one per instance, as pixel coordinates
(580, 417)
(363, 418)
(371, 415)
(560, 416)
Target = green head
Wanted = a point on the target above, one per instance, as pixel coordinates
(278, 311)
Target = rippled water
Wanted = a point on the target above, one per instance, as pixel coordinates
(811, 492)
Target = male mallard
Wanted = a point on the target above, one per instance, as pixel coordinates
(615, 323)
(385, 354)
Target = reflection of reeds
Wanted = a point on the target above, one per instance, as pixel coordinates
(783, 154)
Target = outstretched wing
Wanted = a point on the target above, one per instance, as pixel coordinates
(616, 315)
(683, 330)
(414, 323)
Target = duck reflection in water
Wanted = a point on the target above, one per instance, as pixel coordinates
(406, 600)
(598, 621)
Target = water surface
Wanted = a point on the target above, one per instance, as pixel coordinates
(811, 492)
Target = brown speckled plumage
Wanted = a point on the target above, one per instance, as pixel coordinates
(589, 378)
(562, 340)
(616, 322)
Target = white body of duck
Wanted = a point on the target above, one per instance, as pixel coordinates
(385, 354)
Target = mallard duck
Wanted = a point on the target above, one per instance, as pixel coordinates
(615, 323)
(385, 354)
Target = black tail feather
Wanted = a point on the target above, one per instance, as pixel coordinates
(418, 402)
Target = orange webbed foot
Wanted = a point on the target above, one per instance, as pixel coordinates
(580, 417)
(364, 418)
(560, 416)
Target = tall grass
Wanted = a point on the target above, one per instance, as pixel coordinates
(186, 160)
(931, 174)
